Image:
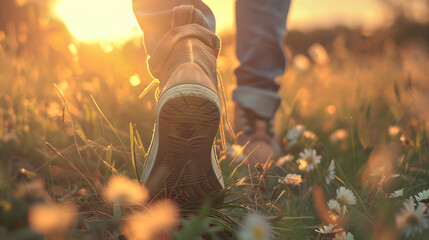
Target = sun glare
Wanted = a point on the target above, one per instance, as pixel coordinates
(99, 20)
(113, 21)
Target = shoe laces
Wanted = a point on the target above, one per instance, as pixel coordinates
(248, 121)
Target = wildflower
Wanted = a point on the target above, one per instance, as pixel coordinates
(151, 223)
(309, 135)
(338, 135)
(344, 236)
(301, 63)
(397, 193)
(291, 179)
(83, 193)
(256, 227)
(412, 220)
(294, 134)
(328, 229)
(49, 218)
(394, 130)
(308, 159)
(318, 53)
(331, 109)
(422, 196)
(122, 190)
(330, 172)
(345, 196)
(333, 205)
(404, 139)
(285, 159)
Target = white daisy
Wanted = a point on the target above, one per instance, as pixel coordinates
(330, 172)
(52, 218)
(285, 159)
(256, 227)
(160, 217)
(309, 135)
(334, 206)
(294, 134)
(344, 236)
(308, 160)
(345, 196)
(421, 196)
(397, 193)
(328, 229)
(123, 190)
(412, 220)
(291, 179)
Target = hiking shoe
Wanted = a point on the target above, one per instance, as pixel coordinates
(181, 162)
(257, 133)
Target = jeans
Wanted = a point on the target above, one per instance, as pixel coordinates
(260, 33)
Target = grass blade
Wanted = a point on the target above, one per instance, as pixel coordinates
(133, 153)
(110, 125)
(149, 87)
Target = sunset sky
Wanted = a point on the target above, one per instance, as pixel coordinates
(115, 21)
(310, 14)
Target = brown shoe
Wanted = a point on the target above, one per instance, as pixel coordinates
(258, 133)
(181, 162)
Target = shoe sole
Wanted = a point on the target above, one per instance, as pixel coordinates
(181, 158)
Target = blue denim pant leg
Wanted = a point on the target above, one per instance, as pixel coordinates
(166, 22)
(260, 33)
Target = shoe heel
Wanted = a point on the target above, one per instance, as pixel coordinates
(187, 122)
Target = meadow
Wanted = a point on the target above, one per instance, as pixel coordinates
(76, 121)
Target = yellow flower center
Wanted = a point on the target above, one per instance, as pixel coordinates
(412, 219)
(309, 160)
(342, 200)
(258, 233)
(333, 216)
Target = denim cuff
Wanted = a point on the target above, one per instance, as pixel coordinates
(262, 102)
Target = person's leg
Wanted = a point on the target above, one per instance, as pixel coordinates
(155, 18)
(166, 22)
(180, 40)
(260, 33)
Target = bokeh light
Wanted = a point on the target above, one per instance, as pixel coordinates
(135, 80)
